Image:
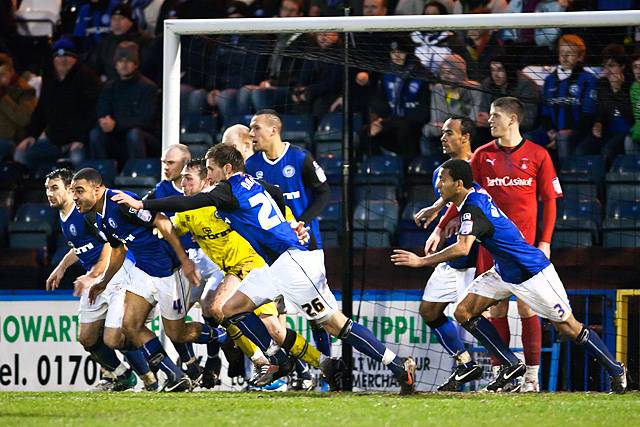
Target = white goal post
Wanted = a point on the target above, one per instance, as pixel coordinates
(174, 28)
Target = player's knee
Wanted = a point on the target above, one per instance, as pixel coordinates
(462, 314)
(87, 340)
(428, 313)
(113, 340)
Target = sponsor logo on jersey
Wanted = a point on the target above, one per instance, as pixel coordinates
(72, 230)
(112, 223)
(259, 174)
(507, 181)
(322, 177)
(556, 185)
(291, 196)
(84, 248)
(466, 227)
(574, 90)
(492, 161)
(288, 171)
(466, 216)
(144, 215)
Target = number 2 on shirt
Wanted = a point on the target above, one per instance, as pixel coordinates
(267, 204)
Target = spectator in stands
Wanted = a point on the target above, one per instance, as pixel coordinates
(145, 15)
(17, 102)
(189, 9)
(506, 80)
(93, 23)
(400, 106)
(435, 45)
(127, 112)
(65, 111)
(123, 28)
(569, 98)
(456, 95)
(632, 143)
(374, 7)
(481, 46)
(327, 7)
(615, 117)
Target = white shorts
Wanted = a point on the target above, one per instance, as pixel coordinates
(448, 284)
(544, 292)
(299, 276)
(171, 293)
(109, 305)
(210, 273)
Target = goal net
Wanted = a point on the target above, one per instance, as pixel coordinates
(406, 76)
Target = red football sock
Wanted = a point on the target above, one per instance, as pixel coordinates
(502, 325)
(531, 340)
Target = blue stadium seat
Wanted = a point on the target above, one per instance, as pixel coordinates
(580, 210)
(622, 191)
(409, 211)
(376, 215)
(330, 127)
(579, 190)
(371, 239)
(571, 239)
(421, 169)
(625, 168)
(196, 138)
(331, 217)
(198, 124)
(32, 226)
(198, 151)
(623, 209)
(582, 169)
(421, 193)
(375, 192)
(332, 167)
(330, 239)
(412, 239)
(621, 238)
(108, 168)
(336, 193)
(12, 174)
(297, 128)
(139, 173)
(381, 169)
(333, 148)
(140, 191)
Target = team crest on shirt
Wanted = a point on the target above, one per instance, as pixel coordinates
(574, 89)
(288, 171)
(259, 174)
(72, 230)
(524, 163)
(112, 223)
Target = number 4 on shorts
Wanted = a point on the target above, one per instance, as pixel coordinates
(314, 307)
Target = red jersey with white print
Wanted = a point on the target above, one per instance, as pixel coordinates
(516, 177)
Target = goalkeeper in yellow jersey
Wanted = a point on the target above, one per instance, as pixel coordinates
(235, 256)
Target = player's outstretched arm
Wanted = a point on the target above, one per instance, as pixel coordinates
(116, 259)
(54, 279)
(165, 227)
(461, 248)
(87, 280)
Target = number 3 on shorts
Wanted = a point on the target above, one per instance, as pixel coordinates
(314, 307)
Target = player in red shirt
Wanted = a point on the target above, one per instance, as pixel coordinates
(517, 173)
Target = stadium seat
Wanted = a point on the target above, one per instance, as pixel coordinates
(297, 128)
(38, 17)
(336, 193)
(12, 174)
(622, 191)
(582, 169)
(580, 210)
(409, 211)
(571, 239)
(376, 215)
(333, 148)
(330, 127)
(422, 193)
(375, 192)
(199, 124)
(621, 238)
(332, 167)
(579, 190)
(330, 239)
(140, 191)
(380, 170)
(7, 199)
(32, 226)
(420, 170)
(139, 173)
(371, 239)
(625, 168)
(108, 168)
(331, 217)
(198, 151)
(623, 209)
(412, 239)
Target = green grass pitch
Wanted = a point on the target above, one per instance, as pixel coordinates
(317, 409)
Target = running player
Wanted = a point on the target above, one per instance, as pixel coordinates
(154, 279)
(100, 322)
(520, 269)
(254, 209)
(450, 280)
(305, 188)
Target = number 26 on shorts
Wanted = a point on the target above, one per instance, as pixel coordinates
(314, 307)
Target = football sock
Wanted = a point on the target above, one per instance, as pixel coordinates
(531, 340)
(253, 328)
(298, 347)
(322, 339)
(185, 351)
(502, 326)
(209, 334)
(363, 340)
(247, 346)
(104, 355)
(213, 347)
(447, 334)
(137, 361)
(158, 358)
(302, 369)
(594, 345)
(488, 336)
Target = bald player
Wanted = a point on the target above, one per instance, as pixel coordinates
(238, 137)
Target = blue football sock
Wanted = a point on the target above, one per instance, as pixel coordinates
(137, 361)
(158, 359)
(447, 335)
(363, 340)
(302, 369)
(488, 336)
(322, 339)
(185, 351)
(213, 347)
(594, 345)
(253, 328)
(104, 355)
(209, 334)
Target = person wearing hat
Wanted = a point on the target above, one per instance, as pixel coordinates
(400, 105)
(127, 112)
(93, 23)
(123, 28)
(65, 111)
(17, 102)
